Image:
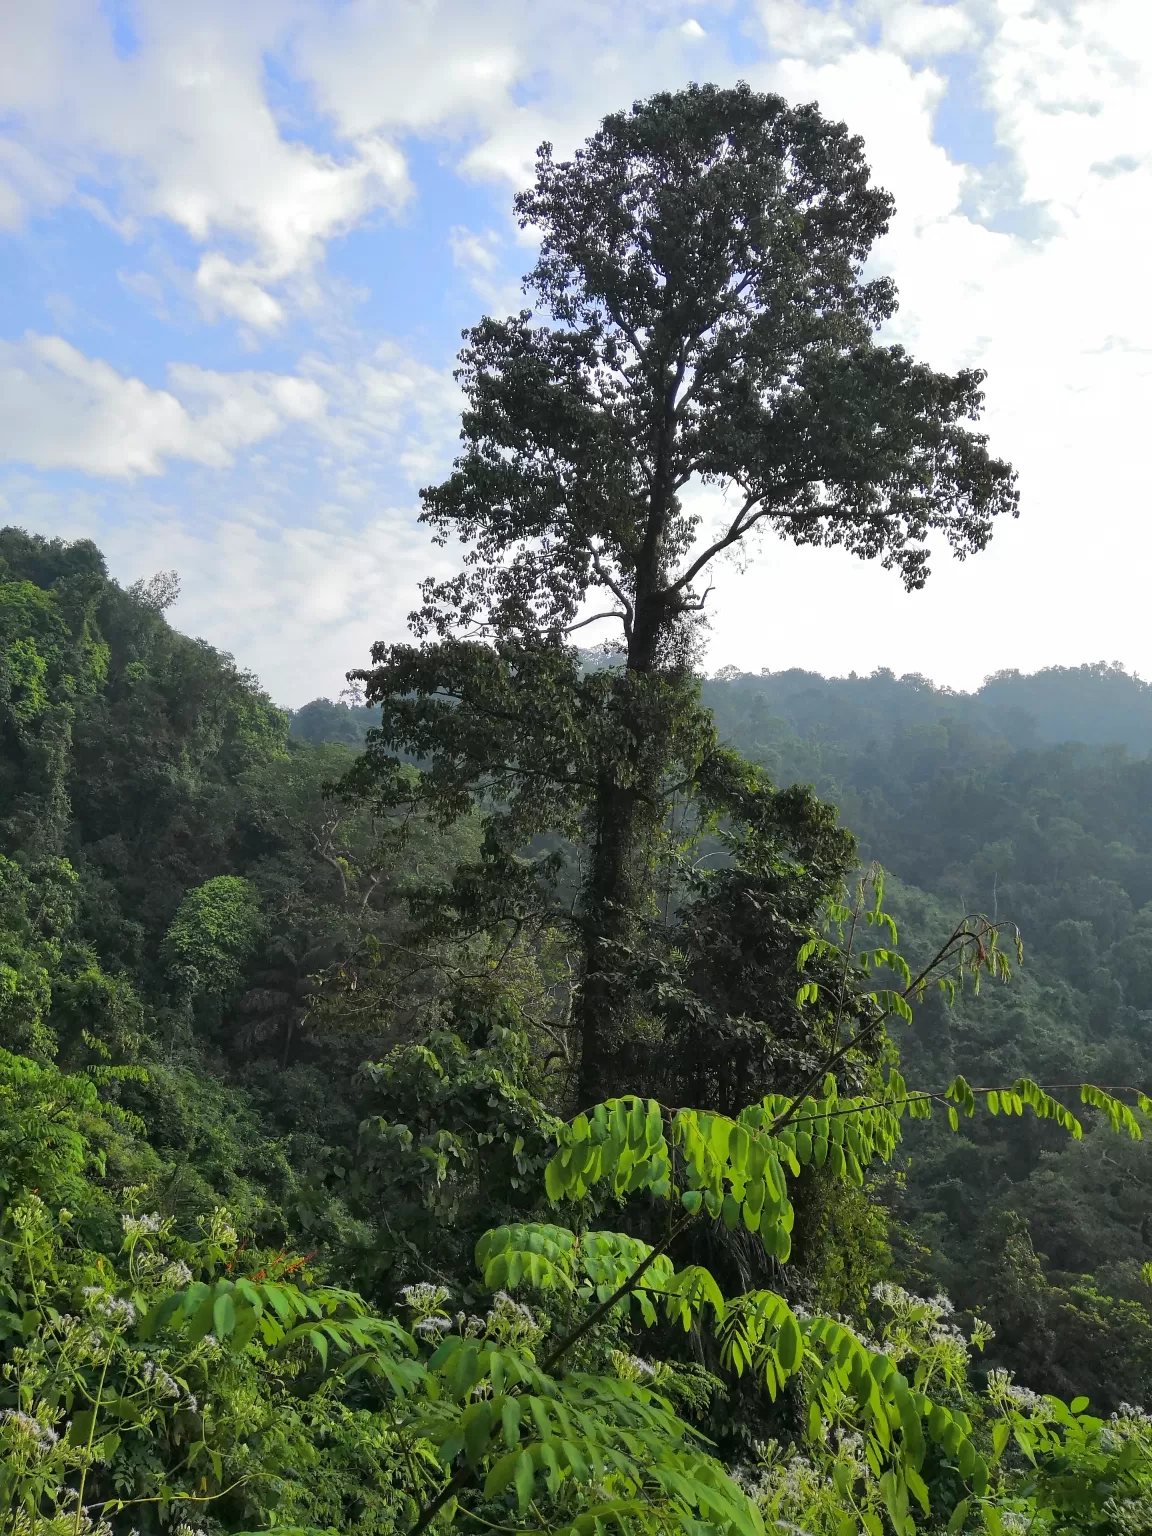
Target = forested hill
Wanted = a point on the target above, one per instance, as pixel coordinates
(1099, 704)
(1030, 800)
(250, 1022)
(548, 1117)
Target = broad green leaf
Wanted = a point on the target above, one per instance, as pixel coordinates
(958, 1517)
(525, 1477)
(223, 1316)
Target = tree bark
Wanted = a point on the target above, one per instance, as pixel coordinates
(627, 816)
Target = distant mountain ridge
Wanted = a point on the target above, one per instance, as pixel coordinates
(1098, 703)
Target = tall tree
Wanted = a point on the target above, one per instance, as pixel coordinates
(702, 315)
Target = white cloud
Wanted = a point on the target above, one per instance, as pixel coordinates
(472, 252)
(1063, 323)
(298, 604)
(26, 184)
(182, 131)
(506, 73)
(377, 66)
(62, 410)
(913, 28)
(482, 258)
(387, 410)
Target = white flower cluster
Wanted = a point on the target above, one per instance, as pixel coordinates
(431, 1327)
(788, 1482)
(116, 1310)
(167, 1386)
(948, 1333)
(141, 1226)
(1015, 1520)
(37, 1435)
(1127, 1423)
(513, 1320)
(424, 1297)
(850, 1445)
(111, 1309)
(1004, 1391)
(889, 1295)
(509, 1319)
(175, 1273)
(897, 1299)
(632, 1367)
(218, 1227)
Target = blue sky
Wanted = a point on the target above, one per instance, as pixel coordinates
(238, 244)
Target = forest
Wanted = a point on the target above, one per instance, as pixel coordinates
(549, 1089)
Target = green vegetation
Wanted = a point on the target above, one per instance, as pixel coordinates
(961, 799)
(516, 1102)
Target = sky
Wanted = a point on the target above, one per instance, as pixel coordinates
(239, 241)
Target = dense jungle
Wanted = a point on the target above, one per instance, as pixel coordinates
(549, 1089)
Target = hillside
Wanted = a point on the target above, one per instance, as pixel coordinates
(1030, 800)
(267, 1007)
(990, 802)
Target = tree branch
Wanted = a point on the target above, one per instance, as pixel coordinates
(615, 588)
(738, 527)
(958, 936)
(464, 1473)
(611, 614)
(459, 1479)
(625, 1288)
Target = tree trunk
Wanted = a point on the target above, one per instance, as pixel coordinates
(627, 815)
(629, 811)
(612, 906)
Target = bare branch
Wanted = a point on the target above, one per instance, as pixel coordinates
(615, 588)
(737, 528)
(611, 614)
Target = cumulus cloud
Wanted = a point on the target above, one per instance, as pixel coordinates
(269, 588)
(62, 410)
(1029, 262)
(477, 253)
(181, 129)
(299, 604)
(506, 74)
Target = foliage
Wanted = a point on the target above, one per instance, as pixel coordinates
(958, 796)
(54, 993)
(456, 1140)
(887, 1434)
(703, 316)
(212, 935)
(165, 1370)
(106, 1407)
(298, 1227)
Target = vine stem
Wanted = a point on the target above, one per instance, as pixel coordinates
(464, 1473)
(92, 1432)
(957, 940)
(622, 1290)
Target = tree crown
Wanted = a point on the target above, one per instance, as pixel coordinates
(702, 269)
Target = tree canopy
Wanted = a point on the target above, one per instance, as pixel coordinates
(703, 316)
